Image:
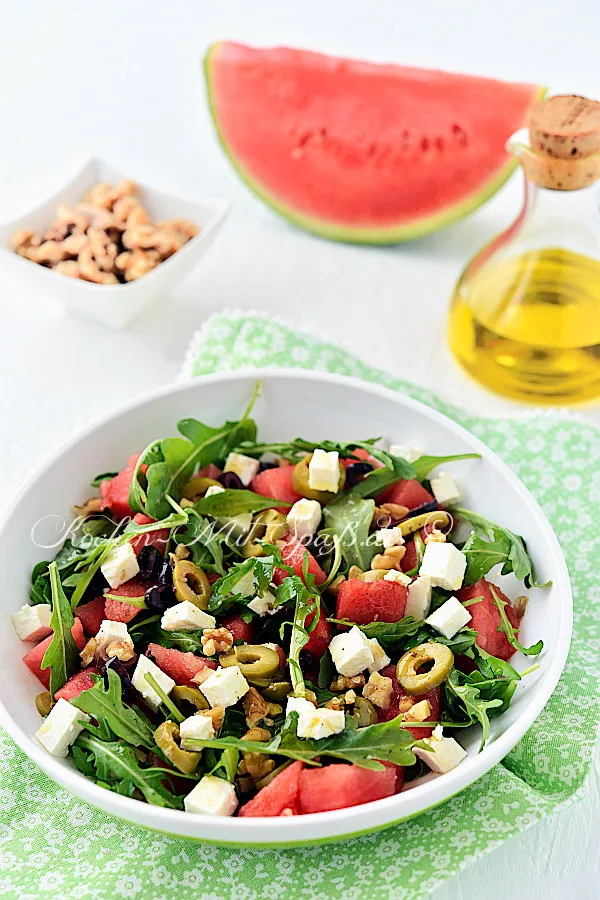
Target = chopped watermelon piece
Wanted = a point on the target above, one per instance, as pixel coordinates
(485, 618)
(435, 700)
(279, 797)
(408, 492)
(180, 666)
(410, 559)
(115, 492)
(293, 552)
(92, 615)
(210, 471)
(339, 786)
(33, 659)
(276, 483)
(118, 611)
(363, 455)
(371, 601)
(320, 636)
(400, 773)
(241, 631)
(156, 538)
(75, 685)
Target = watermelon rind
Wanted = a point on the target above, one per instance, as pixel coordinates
(334, 231)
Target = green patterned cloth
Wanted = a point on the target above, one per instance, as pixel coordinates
(53, 845)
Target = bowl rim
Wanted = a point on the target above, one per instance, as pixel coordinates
(281, 831)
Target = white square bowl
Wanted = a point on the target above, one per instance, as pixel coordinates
(113, 305)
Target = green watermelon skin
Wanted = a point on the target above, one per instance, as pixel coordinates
(361, 152)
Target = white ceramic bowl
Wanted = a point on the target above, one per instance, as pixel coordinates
(314, 406)
(113, 305)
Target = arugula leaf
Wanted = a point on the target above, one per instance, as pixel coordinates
(207, 541)
(420, 548)
(425, 464)
(295, 450)
(363, 747)
(462, 693)
(380, 479)
(510, 631)
(307, 602)
(349, 518)
(389, 634)
(115, 765)
(104, 702)
(104, 476)
(244, 581)
(234, 502)
(327, 671)
(503, 546)
(62, 654)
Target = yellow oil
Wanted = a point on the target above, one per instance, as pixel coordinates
(528, 326)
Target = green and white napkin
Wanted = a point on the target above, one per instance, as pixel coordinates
(54, 845)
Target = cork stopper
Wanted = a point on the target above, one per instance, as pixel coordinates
(564, 132)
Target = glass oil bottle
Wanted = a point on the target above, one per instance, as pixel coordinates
(525, 315)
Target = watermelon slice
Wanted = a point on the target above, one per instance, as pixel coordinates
(359, 152)
(119, 611)
(76, 684)
(339, 785)
(407, 492)
(435, 700)
(320, 637)
(157, 539)
(485, 618)
(276, 483)
(180, 666)
(371, 601)
(293, 553)
(92, 615)
(281, 794)
(33, 659)
(241, 631)
(115, 492)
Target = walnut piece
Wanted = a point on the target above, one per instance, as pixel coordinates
(345, 683)
(88, 653)
(90, 507)
(255, 707)
(216, 640)
(378, 690)
(121, 649)
(217, 713)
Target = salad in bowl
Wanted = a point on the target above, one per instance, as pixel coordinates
(251, 629)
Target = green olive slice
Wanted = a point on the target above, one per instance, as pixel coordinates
(44, 703)
(269, 525)
(424, 667)
(190, 583)
(301, 485)
(277, 691)
(437, 519)
(256, 662)
(190, 695)
(197, 486)
(365, 712)
(184, 760)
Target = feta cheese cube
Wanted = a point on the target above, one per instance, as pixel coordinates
(225, 686)
(304, 518)
(324, 471)
(313, 722)
(351, 652)
(32, 623)
(418, 600)
(245, 467)
(199, 728)
(444, 565)
(389, 537)
(449, 618)
(185, 616)
(398, 577)
(144, 667)
(445, 753)
(212, 796)
(405, 451)
(61, 727)
(112, 631)
(120, 565)
(263, 605)
(380, 657)
(445, 489)
(213, 489)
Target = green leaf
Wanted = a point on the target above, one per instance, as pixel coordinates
(469, 698)
(349, 518)
(380, 479)
(105, 703)
(115, 764)
(295, 450)
(164, 698)
(62, 655)
(389, 634)
(510, 631)
(307, 602)
(104, 476)
(244, 581)
(425, 464)
(234, 502)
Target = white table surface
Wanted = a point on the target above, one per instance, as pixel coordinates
(123, 81)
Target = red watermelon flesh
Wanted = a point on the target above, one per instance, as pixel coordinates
(115, 492)
(33, 659)
(278, 796)
(276, 483)
(339, 786)
(320, 636)
(371, 601)
(156, 538)
(180, 666)
(293, 553)
(92, 615)
(400, 773)
(435, 700)
(362, 454)
(241, 631)
(357, 151)
(408, 492)
(485, 618)
(75, 685)
(118, 611)
(210, 471)
(410, 559)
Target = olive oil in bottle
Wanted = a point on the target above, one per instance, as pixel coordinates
(525, 315)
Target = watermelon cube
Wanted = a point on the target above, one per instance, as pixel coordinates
(371, 601)
(339, 785)
(118, 611)
(276, 483)
(241, 631)
(293, 553)
(279, 797)
(179, 666)
(76, 684)
(435, 701)
(407, 492)
(156, 538)
(115, 492)
(33, 659)
(91, 615)
(320, 636)
(485, 618)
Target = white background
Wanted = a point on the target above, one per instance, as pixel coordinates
(123, 81)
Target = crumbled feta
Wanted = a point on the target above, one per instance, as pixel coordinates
(212, 796)
(199, 728)
(185, 616)
(398, 577)
(61, 727)
(324, 471)
(32, 623)
(445, 753)
(449, 618)
(313, 722)
(404, 451)
(144, 667)
(245, 467)
(389, 537)
(418, 600)
(214, 489)
(444, 565)
(444, 489)
(225, 686)
(269, 458)
(304, 518)
(271, 646)
(380, 657)
(351, 652)
(112, 631)
(263, 605)
(120, 565)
